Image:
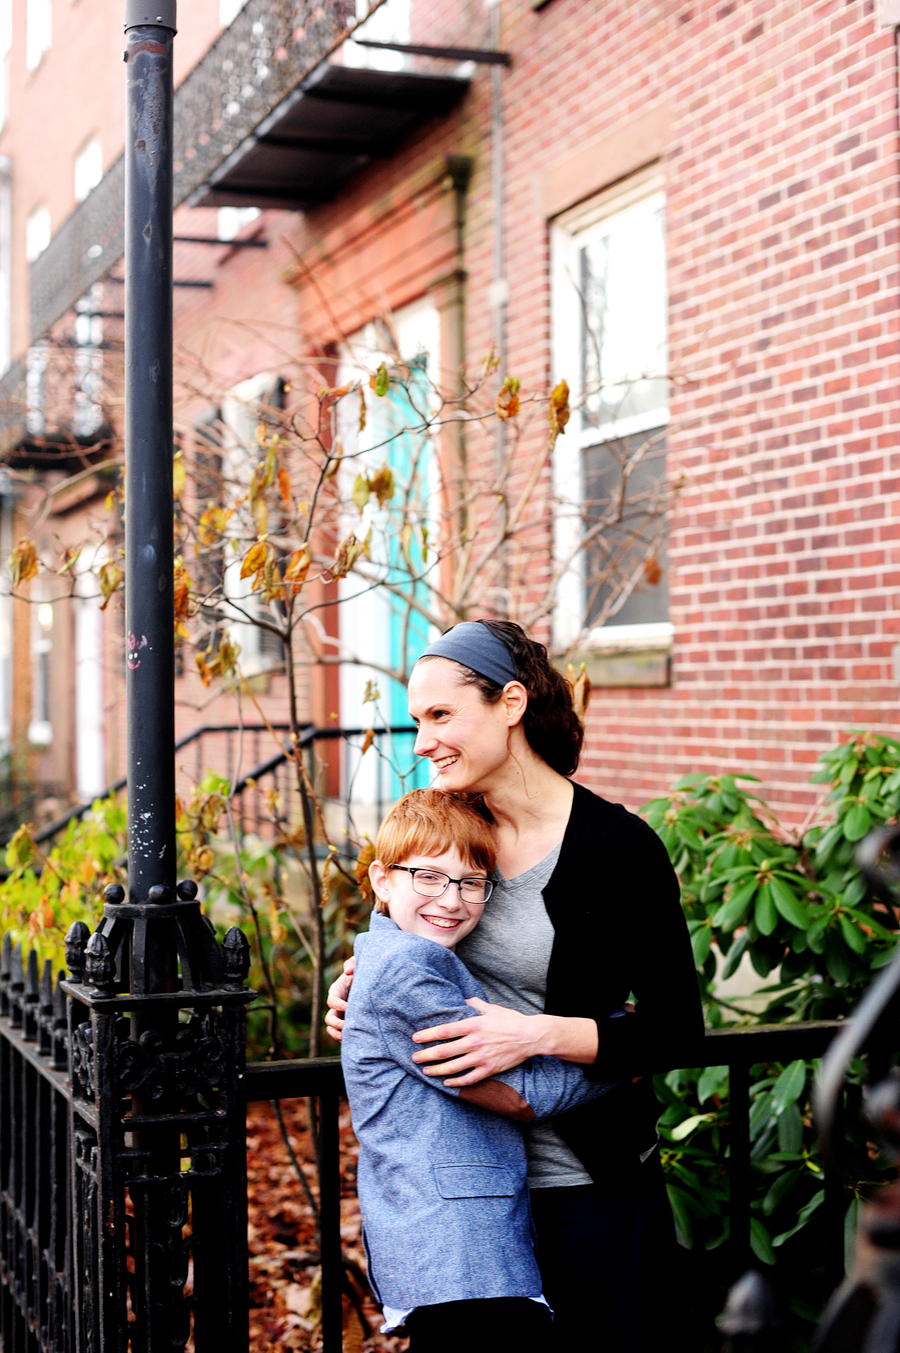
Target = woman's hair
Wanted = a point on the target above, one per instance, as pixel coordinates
(429, 822)
(552, 727)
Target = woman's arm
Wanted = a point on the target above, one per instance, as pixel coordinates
(500, 1039)
(337, 1000)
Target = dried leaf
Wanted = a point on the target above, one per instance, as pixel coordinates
(298, 567)
(23, 562)
(349, 551)
(424, 544)
(334, 461)
(382, 485)
(254, 559)
(182, 591)
(260, 515)
(652, 571)
(110, 578)
(361, 490)
(406, 535)
(340, 390)
(368, 740)
(507, 402)
(558, 411)
(20, 850)
(371, 693)
(284, 486)
(362, 410)
(366, 856)
(580, 689)
(69, 560)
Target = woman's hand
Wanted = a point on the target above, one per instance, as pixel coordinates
(496, 1040)
(337, 1000)
(499, 1039)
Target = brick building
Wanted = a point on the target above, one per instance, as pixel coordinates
(696, 204)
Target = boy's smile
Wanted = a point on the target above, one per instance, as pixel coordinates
(444, 919)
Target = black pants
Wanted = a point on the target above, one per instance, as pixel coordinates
(494, 1325)
(608, 1259)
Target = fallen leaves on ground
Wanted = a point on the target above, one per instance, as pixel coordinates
(285, 1274)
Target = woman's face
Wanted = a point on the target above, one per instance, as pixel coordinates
(465, 739)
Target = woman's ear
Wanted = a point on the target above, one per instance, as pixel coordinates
(379, 881)
(515, 698)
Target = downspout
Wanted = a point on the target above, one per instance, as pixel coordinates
(499, 290)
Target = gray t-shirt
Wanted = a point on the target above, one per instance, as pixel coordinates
(508, 952)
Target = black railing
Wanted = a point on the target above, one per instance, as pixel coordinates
(74, 1094)
(237, 750)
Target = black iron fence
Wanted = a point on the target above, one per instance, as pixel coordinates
(122, 1171)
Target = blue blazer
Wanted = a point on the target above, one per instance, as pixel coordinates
(442, 1183)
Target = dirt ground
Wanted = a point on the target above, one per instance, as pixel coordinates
(285, 1275)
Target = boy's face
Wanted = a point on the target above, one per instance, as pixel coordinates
(445, 919)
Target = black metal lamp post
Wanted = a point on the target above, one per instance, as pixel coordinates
(155, 1007)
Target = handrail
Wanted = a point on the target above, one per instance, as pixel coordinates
(308, 737)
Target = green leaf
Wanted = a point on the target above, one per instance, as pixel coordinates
(803, 1217)
(761, 1241)
(789, 1087)
(733, 912)
(766, 915)
(382, 380)
(787, 902)
(682, 1216)
(853, 936)
(735, 954)
(361, 491)
(836, 958)
(882, 960)
(684, 1129)
(782, 1186)
(701, 940)
(790, 1129)
(857, 822)
(713, 1081)
(851, 1226)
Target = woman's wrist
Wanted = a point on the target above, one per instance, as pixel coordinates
(568, 1037)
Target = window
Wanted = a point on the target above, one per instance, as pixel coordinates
(38, 31)
(609, 323)
(37, 233)
(88, 169)
(40, 730)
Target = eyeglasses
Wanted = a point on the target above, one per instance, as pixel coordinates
(431, 883)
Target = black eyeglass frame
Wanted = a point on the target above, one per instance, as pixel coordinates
(424, 869)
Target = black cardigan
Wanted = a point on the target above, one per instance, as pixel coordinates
(620, 932)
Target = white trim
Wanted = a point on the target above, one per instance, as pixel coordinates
(630, 638)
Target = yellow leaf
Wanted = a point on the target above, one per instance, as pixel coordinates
(87, 871)
(212, 524)
(260, 515)
(580, 690)
(178, 475)
(204, 859)
(362, 410)
(23, 562)
(110, 578)
(507, 402)
(558, 411)
(406, 535)
(276, 929)
(284, 486)
(20, 850)
(382, 485)
(361, 489)
(109, 502)
(371, 693)
(254, 559)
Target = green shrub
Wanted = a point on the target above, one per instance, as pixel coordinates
(795, 903)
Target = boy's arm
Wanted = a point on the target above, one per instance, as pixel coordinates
(423, 990)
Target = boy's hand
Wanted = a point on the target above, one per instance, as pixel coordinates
(497, 1040)
(337, 1000)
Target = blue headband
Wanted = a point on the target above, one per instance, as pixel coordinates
(478, 647)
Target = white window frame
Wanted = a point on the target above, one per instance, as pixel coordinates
(87, 169)
(38, 31)
(38, 232)
(568, 233)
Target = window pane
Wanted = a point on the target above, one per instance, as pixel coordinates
(622, 281)
(628, 556)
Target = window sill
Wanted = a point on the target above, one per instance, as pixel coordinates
(626, 656)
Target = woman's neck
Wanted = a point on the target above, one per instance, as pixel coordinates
(530, 805)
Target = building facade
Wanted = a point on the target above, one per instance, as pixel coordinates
(688, 211)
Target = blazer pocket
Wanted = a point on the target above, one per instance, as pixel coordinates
(475, 1181)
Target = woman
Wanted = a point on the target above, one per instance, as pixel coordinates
(585, 917)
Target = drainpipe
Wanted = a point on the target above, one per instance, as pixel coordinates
(499, 290)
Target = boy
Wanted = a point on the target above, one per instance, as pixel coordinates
(442, 1183)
